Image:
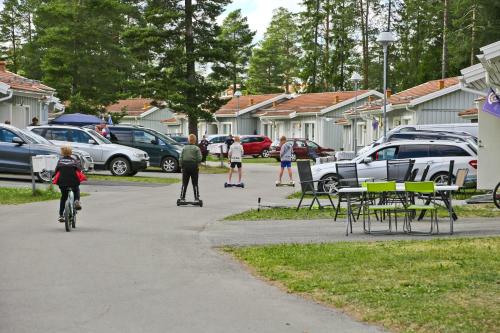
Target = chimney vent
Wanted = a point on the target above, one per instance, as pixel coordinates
(251, 101)
(370, 99)
(441, 84)
(146, 105)
(274, 104)
(389, 93)
(2, 65)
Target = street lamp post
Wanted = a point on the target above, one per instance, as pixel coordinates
(237, 94)
(385, 39)
(356, 78)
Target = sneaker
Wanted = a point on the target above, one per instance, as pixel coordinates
(61, 219)
(78, 205)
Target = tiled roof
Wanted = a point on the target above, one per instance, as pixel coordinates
(314, 102)
(468, 112)
(245, 101)
(19, 82)
(423, 89)
(133, 106)
(341, 121)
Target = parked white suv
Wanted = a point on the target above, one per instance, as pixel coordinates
(437, 154)
(120, 160)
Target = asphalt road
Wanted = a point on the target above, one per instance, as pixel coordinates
(137, 263)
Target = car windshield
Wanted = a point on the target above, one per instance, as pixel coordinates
(99, 137)
(35, 138)
(165, 138)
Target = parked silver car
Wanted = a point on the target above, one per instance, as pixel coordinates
(120, 160)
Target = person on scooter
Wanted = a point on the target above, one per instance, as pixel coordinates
(189, 160)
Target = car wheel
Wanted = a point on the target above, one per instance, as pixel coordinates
(265, 153)
(44, 176)
(294, 157)
(329, 183)
(169, 164)
(440, 178)
(119, 166)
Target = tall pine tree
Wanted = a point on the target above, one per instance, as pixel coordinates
(235, 38)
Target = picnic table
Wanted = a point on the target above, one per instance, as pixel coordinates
(443, 190)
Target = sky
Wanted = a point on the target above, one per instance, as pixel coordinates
(259, 12)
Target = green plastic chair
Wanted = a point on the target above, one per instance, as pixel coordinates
(421, 188)
(372, 189)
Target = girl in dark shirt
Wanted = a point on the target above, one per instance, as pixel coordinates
(67, 168)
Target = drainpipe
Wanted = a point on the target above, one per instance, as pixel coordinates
(8, 97)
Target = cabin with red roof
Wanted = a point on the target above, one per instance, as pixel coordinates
(432, 102)
(22, 99)
(145, 112)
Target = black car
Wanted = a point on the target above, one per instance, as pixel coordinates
(163, 151)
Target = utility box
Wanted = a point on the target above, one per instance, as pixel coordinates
(44, 162)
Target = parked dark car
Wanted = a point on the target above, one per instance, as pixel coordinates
(256, 145)
(163, 151)
(302, 149)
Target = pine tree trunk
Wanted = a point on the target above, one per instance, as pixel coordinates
(190, 68)
(444, 59)
(315, 65)
(326, 61)
(364, 39)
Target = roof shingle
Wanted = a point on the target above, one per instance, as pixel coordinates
(19, 82)
(245, 101)
(133, 106)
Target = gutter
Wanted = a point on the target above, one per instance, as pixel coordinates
(8, 97)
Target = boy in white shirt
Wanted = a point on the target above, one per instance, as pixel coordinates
(235, 156)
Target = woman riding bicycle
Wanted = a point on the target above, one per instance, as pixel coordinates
(68, 167)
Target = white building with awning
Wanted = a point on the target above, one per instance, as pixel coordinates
(484, 78)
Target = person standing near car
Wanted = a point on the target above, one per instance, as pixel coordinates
(286, 151)
(189, 160)
(203, 145)
(34, 122)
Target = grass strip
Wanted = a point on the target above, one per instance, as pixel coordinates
(468, 211)
(407, 286)
(17, 195)
(133, 179)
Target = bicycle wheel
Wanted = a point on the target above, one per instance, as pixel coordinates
(67, 219)
(496, 195)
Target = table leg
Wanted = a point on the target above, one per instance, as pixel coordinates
(349, 213)
(451, 212)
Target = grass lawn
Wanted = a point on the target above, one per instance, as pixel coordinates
(407, 286)
(133, 179)
(297, 195)
(484, 210)
(16, 196)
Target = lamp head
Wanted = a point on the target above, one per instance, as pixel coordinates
(237, 93)
(356, 78)
(386, 38)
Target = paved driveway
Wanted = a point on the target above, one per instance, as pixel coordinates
(138, 263)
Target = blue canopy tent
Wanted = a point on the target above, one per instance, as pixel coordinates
(76, 119)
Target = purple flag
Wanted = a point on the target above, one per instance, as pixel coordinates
(492, 104)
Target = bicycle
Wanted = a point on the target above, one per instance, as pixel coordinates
(70, 211)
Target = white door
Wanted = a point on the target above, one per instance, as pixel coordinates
(20, 116)
(279, 130)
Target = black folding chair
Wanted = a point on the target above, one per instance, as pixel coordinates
(347, 176)
(424, 174)
(307, 185)
(399, 170)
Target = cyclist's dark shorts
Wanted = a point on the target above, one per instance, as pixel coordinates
(235, 164)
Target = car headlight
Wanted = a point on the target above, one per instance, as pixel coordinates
(141, 155)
